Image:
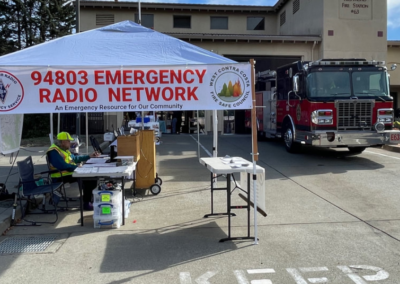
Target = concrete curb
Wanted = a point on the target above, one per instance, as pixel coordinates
(391, 148)
(5, 217)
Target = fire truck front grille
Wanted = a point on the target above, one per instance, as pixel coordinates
(354, 115)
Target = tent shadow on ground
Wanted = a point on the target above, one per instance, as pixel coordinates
(163, 248)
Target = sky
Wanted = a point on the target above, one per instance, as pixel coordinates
(393, 10)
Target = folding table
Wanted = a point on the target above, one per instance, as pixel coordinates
(217, 166)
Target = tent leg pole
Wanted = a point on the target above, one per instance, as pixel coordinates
(198, 136)
(215, 141)
(51, 127)
(87, 133)
(58, 123)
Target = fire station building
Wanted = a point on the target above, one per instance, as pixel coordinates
(273, 35)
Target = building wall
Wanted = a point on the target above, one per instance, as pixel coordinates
(308, 20)
(200, 21)
(300, 49)
(355, 35)
(393, 56)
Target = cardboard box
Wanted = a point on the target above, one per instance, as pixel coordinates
(129, 146)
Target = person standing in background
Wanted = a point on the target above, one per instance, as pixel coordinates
(174, 122)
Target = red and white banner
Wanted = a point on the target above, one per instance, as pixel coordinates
(97, 89)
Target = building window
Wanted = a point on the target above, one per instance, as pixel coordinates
(182, 22)
(296, 6)
(147, 20)
(283, 18)
(255, 23)
(104, 19)
(219, 23)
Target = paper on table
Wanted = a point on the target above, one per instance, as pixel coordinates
(104, 170)
(86, 170)
(124, 157)
(100, 165)
(96, 161)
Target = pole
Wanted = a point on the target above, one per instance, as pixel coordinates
(215, 142)
(51, 128)
(140, 13)
(78, 115)
(198, 136)
(58, 123)
(87, 133)
(255, 147)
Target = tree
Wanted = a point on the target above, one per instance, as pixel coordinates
(24, 23)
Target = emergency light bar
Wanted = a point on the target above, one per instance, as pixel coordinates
(265, 74)
(373, 62)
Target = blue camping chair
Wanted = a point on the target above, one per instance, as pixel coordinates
(28, 187)
(64, 197)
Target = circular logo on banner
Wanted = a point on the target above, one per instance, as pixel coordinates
(230, 87)
(298, 112)
(11, 91)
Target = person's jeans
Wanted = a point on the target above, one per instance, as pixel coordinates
(174, 120)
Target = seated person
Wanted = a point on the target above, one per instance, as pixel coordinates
(60, 158)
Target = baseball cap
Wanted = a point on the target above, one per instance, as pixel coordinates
(64, 136)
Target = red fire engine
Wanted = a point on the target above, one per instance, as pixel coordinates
(327, 103)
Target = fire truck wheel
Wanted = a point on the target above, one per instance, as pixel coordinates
(288, 138)
(356, 150)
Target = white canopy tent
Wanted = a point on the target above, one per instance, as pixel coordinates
(122, 67)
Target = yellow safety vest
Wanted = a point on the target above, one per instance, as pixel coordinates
(66, 155)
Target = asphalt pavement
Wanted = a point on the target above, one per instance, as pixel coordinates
(333, 217)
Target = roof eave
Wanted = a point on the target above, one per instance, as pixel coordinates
(181, 7)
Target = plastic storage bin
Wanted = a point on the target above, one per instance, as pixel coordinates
(107, 196)
(107, 209)
(127, 208)
(107, 222)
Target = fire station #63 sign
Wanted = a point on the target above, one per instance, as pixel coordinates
(355, 9)
(153, 88)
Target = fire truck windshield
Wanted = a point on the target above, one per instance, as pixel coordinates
(334, 84)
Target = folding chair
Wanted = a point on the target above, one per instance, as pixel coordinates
(64, 198)
(28, 188)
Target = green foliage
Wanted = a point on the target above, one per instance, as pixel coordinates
(223, 91)
(24, 23)
(36, 125)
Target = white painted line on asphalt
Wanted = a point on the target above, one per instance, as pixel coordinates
(261, 281)
(185, 278)
(203, 279)
(240, 277)
(208, 153)
(296, 276)
(356, 279)
(299, 278)
(352, 271)
(256, 271)
(380, 273)
(381, 155)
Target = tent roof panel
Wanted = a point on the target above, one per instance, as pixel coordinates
(121, 44)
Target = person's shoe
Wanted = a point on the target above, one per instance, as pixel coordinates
(87, 206)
